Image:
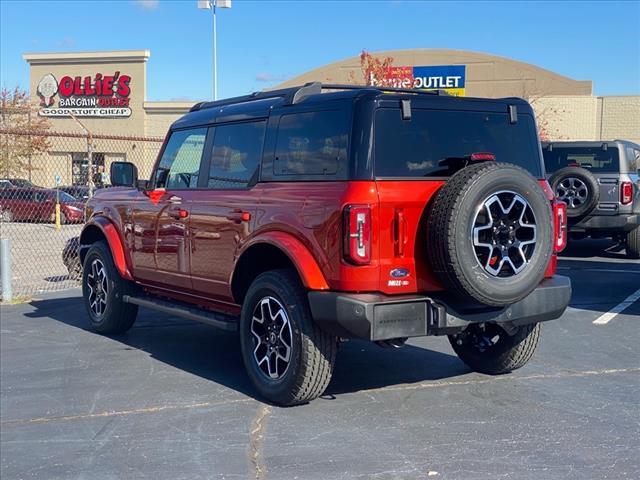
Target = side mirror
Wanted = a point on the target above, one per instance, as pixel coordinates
(123, 174)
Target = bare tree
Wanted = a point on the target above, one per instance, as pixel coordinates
(546, 115)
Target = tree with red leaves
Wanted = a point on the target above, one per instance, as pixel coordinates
(375, 71)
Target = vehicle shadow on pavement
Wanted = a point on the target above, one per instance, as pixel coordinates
(215, 355)
(599, 285)
(365, 366)
(592, 248)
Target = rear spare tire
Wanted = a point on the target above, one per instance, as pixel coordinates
(578, 188)
(489, 233)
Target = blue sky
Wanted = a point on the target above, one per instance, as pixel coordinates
(263, 43)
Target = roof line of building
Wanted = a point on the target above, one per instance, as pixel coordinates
(87, 57)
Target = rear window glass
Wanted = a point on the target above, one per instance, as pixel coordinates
(312, 143)
(425, 145)
(594, 159)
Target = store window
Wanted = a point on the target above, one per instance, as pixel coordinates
(80, 169)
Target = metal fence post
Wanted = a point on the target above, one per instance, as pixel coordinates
(91, 184)
(5, 269)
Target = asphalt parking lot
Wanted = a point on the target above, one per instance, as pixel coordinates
(170, 399)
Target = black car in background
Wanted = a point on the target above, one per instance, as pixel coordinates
(79, 192)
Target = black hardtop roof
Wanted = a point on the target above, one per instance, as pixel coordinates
(259, 104)
(588, 143)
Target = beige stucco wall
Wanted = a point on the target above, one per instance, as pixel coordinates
(486, 75)
(160, 115)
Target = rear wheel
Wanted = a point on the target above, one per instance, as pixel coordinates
(103, 289)
(490, 349)
(633, 243)
(288, 358)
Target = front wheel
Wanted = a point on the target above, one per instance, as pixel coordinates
(103, 289)
(633, 243)
(288, 358)
(490, 349)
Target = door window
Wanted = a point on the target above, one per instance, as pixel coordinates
(179, 166)
(236, 154)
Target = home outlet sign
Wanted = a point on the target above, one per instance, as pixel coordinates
(104, 96)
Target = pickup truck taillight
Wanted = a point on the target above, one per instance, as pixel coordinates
(626, 193)
(559, 226)
(357, 228)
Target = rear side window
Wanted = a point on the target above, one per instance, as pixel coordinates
(237, 149)
(312, 144)
(633, 157)
(432, 140)
(594, 159)
(179, 166)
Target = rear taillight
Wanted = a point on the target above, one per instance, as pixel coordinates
(357, 227)
(626, 193)
(559, 226)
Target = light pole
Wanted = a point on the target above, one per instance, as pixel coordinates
(212, 5)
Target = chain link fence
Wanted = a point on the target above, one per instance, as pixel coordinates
(45, 180)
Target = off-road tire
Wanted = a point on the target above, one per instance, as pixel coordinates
(586, 177)
(118, 316)
(632, 243)
(510, 353)
(313, 351)
(450, 221)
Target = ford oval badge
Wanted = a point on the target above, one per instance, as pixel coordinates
(399, 273)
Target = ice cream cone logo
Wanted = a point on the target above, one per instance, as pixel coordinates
(47, 88)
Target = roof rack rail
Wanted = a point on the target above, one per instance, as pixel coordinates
(295, 95)
(341, 86)
(292, 95)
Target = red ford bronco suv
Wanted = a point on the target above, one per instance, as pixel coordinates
(301, 218)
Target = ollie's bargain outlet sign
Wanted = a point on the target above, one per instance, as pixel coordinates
(100, 95)
(444, 77)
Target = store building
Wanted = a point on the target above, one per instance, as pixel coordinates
(566, 108)
(106, 91)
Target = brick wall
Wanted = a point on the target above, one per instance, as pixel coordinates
(619, 117)
(589, 118)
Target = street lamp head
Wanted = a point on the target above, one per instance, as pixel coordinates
(209, 4)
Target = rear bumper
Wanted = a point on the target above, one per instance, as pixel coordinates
(606, 223)
(372, 316)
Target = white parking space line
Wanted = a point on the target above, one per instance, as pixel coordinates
(607, 317)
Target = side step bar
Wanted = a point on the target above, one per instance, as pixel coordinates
(218, 320)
